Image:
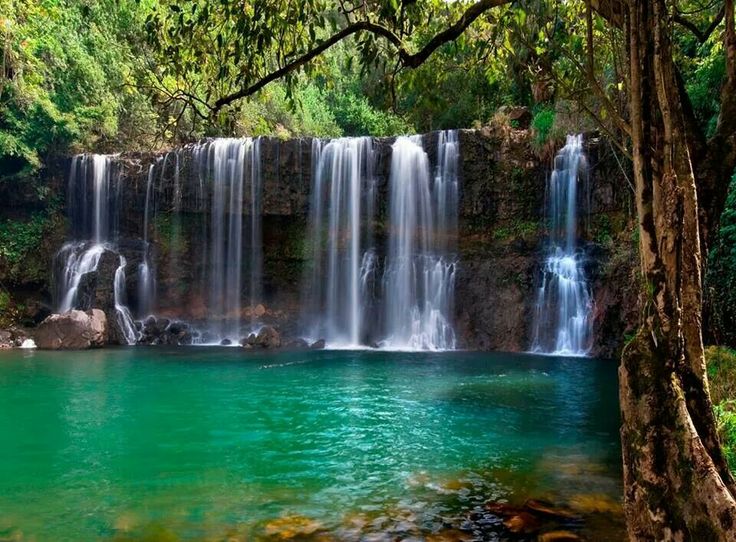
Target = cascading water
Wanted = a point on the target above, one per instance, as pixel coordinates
(341, 201)
(562, 322)
(355, 296)
(124, 317)
(419, 275)
(78, 259)
(230, 167)
(146, 276)
(380, 274)
(93, 228)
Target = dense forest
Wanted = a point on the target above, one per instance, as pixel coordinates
(140, 75)
(656, 80)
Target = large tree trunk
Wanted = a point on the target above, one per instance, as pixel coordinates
(676, 481)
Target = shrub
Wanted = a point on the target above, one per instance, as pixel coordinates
(720, 280)
(542, 123)
(721, 363)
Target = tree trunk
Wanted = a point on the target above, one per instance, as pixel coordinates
(677, 485)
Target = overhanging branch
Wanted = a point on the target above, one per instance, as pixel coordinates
(409, 60)
(701, 35)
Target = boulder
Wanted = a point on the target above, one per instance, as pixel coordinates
(318, 345)
(97, 288)
(72, 330)
(297, 344)
(520, 116)
(268, 337)
(6, 340)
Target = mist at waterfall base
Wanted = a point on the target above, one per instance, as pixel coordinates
(370, 280)
(562, 317)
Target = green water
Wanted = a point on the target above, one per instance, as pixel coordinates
(206, 443)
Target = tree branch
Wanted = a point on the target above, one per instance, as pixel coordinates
(701, 35)
(407, 59)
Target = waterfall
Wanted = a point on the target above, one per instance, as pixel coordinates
(341, 204)
(355, 294)
(93, 228)
(146, 278)
(76, 260)
(419, 275)
(90, 224)
(124, 318)
(381, 240)
(231, 166)
(562, 322)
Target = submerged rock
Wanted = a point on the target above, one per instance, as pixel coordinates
(450, 535)
(72, 330)
(558, 536)
(523, 522)
(292, 528)
(544, 508)
(595, 503)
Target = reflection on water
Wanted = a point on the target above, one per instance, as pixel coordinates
(218, 444)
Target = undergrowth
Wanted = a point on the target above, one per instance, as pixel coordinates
(722, 379)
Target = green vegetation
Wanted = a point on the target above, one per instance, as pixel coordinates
(18, 239)
(542, 123)
(124, 74)
(22, 253)
(518, 229)
(722, 378)
(720, 279)
(70, 79)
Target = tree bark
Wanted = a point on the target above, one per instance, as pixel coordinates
(677, 485)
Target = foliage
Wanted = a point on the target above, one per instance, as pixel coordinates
(67, 71)
(542, 123)
(720, 279)
(272, 113)
(726, 422)
(18, 239)
(721, 363)
(515, 230)
(25, 246)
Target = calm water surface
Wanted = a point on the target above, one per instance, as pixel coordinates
(211, 443)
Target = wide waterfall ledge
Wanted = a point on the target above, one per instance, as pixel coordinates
(380, 264)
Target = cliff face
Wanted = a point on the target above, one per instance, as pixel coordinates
(500, 241)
